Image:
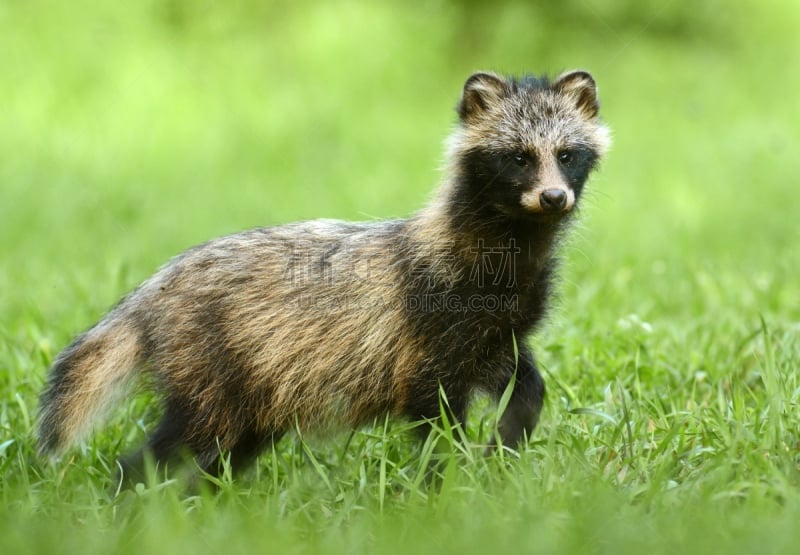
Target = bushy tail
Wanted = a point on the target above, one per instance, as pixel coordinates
(86, 378)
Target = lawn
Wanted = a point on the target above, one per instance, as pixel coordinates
(131, 132)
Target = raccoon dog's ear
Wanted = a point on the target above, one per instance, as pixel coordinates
(580, 86)
(481, 91)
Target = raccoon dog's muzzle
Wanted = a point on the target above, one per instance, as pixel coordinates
(549, 200)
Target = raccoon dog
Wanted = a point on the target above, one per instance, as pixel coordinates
(325, 324)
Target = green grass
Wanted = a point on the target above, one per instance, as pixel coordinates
(673, 419)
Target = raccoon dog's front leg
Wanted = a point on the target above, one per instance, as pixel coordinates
(522, 413)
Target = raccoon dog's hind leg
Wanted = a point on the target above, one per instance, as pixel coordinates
(164, 445)
(180, 437)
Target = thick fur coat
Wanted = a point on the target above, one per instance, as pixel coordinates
(331, 324)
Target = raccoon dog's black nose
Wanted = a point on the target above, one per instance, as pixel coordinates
(553, 200)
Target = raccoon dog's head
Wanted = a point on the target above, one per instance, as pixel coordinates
(524, 147)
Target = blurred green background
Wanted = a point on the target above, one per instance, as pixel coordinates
(131, 131)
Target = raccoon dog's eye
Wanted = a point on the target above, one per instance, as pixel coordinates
(521, 160)
(565, 157)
